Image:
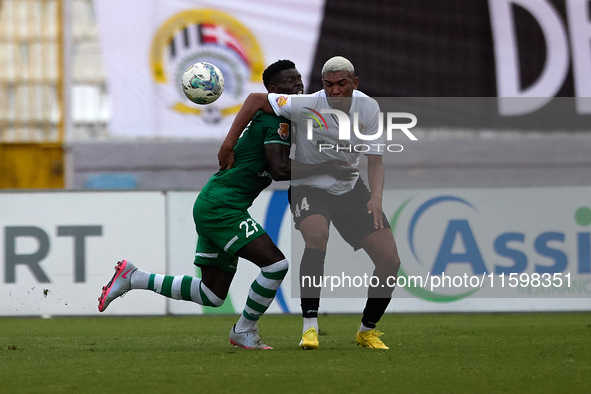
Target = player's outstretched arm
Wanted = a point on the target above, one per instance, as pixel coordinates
(254, 102)
(375, 175)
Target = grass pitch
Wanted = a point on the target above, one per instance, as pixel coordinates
(428, 353)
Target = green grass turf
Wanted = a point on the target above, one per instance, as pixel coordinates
(428, 353)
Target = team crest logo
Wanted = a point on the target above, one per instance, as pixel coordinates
(211, 36)
(283, 131)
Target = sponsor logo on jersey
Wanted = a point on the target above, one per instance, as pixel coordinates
(265, 174)
(361, 128)
(281, 101)
(283, 131)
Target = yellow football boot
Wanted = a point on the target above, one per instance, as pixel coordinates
(371, 339)
(309, 339)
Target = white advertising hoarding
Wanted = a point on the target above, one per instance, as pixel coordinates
(147, 46)
(60, 248)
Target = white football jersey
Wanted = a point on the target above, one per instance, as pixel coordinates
(316, 134)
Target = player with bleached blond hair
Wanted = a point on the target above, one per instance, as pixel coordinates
(320, 199)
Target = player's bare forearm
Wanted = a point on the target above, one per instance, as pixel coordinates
(279, 161)
(375, 175)
(254, 102)
(337, 168)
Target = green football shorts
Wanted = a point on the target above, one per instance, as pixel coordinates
(222, 231)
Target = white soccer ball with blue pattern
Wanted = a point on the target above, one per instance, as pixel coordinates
(203, 83)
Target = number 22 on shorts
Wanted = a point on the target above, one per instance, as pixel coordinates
(253, 225)
(305, 207)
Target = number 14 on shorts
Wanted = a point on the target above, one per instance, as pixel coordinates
(305, 207)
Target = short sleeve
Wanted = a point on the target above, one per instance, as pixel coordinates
(371, 111)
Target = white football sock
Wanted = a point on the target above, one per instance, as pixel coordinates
(140, 279)
(310, 322)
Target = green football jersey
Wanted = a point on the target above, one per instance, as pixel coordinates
(240, 185)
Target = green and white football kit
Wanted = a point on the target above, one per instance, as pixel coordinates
(224, 227)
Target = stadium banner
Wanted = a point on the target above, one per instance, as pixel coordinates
(57, 250)
(146, 47)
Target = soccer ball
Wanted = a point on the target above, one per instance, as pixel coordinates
(203, 83)
(211, 114)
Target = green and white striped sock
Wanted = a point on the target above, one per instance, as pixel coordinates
(261, 294)
(180, 287)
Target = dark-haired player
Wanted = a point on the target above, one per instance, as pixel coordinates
(225, 228)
